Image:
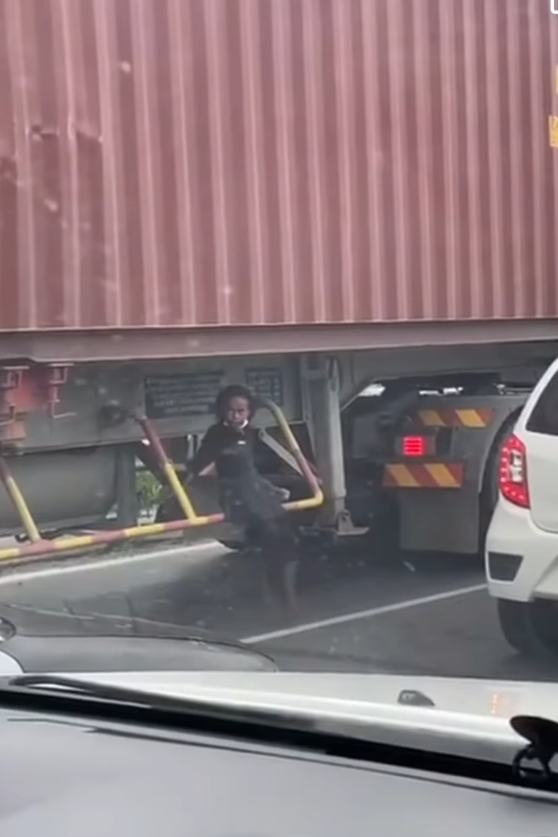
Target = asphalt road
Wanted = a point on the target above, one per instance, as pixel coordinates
(357, 612)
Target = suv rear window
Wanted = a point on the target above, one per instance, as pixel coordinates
(544, 418)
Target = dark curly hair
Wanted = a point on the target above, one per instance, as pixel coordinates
(234, 391)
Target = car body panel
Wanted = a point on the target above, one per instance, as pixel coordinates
(36, 641)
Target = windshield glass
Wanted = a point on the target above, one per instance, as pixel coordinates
(278, 280)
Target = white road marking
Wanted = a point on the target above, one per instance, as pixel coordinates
(16, 577)
(363, 614)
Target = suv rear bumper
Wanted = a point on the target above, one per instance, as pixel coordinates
(521, 560)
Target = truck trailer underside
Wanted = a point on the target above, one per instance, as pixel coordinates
(71, 433)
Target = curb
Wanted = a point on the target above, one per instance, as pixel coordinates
(11, 567)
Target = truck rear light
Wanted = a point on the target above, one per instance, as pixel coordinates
(414, 446)
(513, 472)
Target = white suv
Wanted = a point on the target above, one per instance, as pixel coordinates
(522, 541)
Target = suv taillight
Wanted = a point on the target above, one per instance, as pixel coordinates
(513, 472)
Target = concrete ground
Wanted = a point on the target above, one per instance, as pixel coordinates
(358, 612)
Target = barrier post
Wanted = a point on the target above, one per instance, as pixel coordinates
(293, 447)
(19, 503)
(167, 467)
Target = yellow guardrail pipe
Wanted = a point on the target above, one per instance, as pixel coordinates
(19, 502)
(168, 468)
(39, 547)
(293, 447)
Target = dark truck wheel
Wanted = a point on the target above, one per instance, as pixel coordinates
(530, 627)
(234, 546)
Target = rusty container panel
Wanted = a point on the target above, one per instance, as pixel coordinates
(217, 162)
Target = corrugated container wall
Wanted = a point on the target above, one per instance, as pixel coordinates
(192, 162)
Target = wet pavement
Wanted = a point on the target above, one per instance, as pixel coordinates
(357, 611)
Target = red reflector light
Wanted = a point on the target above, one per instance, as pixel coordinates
(414, 446)
(513, 473)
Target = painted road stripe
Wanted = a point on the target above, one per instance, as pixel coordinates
(189, 552)
(364, 614)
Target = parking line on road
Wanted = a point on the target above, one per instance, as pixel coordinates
(363, 614)
(116, 561)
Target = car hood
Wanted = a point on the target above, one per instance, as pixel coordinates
(467, 717)
(34, 640)
(28, 620)
(358, 696)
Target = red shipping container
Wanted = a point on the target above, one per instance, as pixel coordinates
(265, 162)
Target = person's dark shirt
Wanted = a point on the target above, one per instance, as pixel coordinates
(231, 450)
(245, 496)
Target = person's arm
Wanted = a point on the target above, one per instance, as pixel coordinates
(203, 463)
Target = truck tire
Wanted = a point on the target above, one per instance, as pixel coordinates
(515, 625)
(530, 627)
(234, 546)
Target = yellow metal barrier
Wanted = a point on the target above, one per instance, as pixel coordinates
(18, 500)
(39, 547)
(168, 469)
(293, 447)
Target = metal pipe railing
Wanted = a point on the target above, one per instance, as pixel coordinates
(293, 447)
(20, 505)
(40, 547)
(167, 468)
